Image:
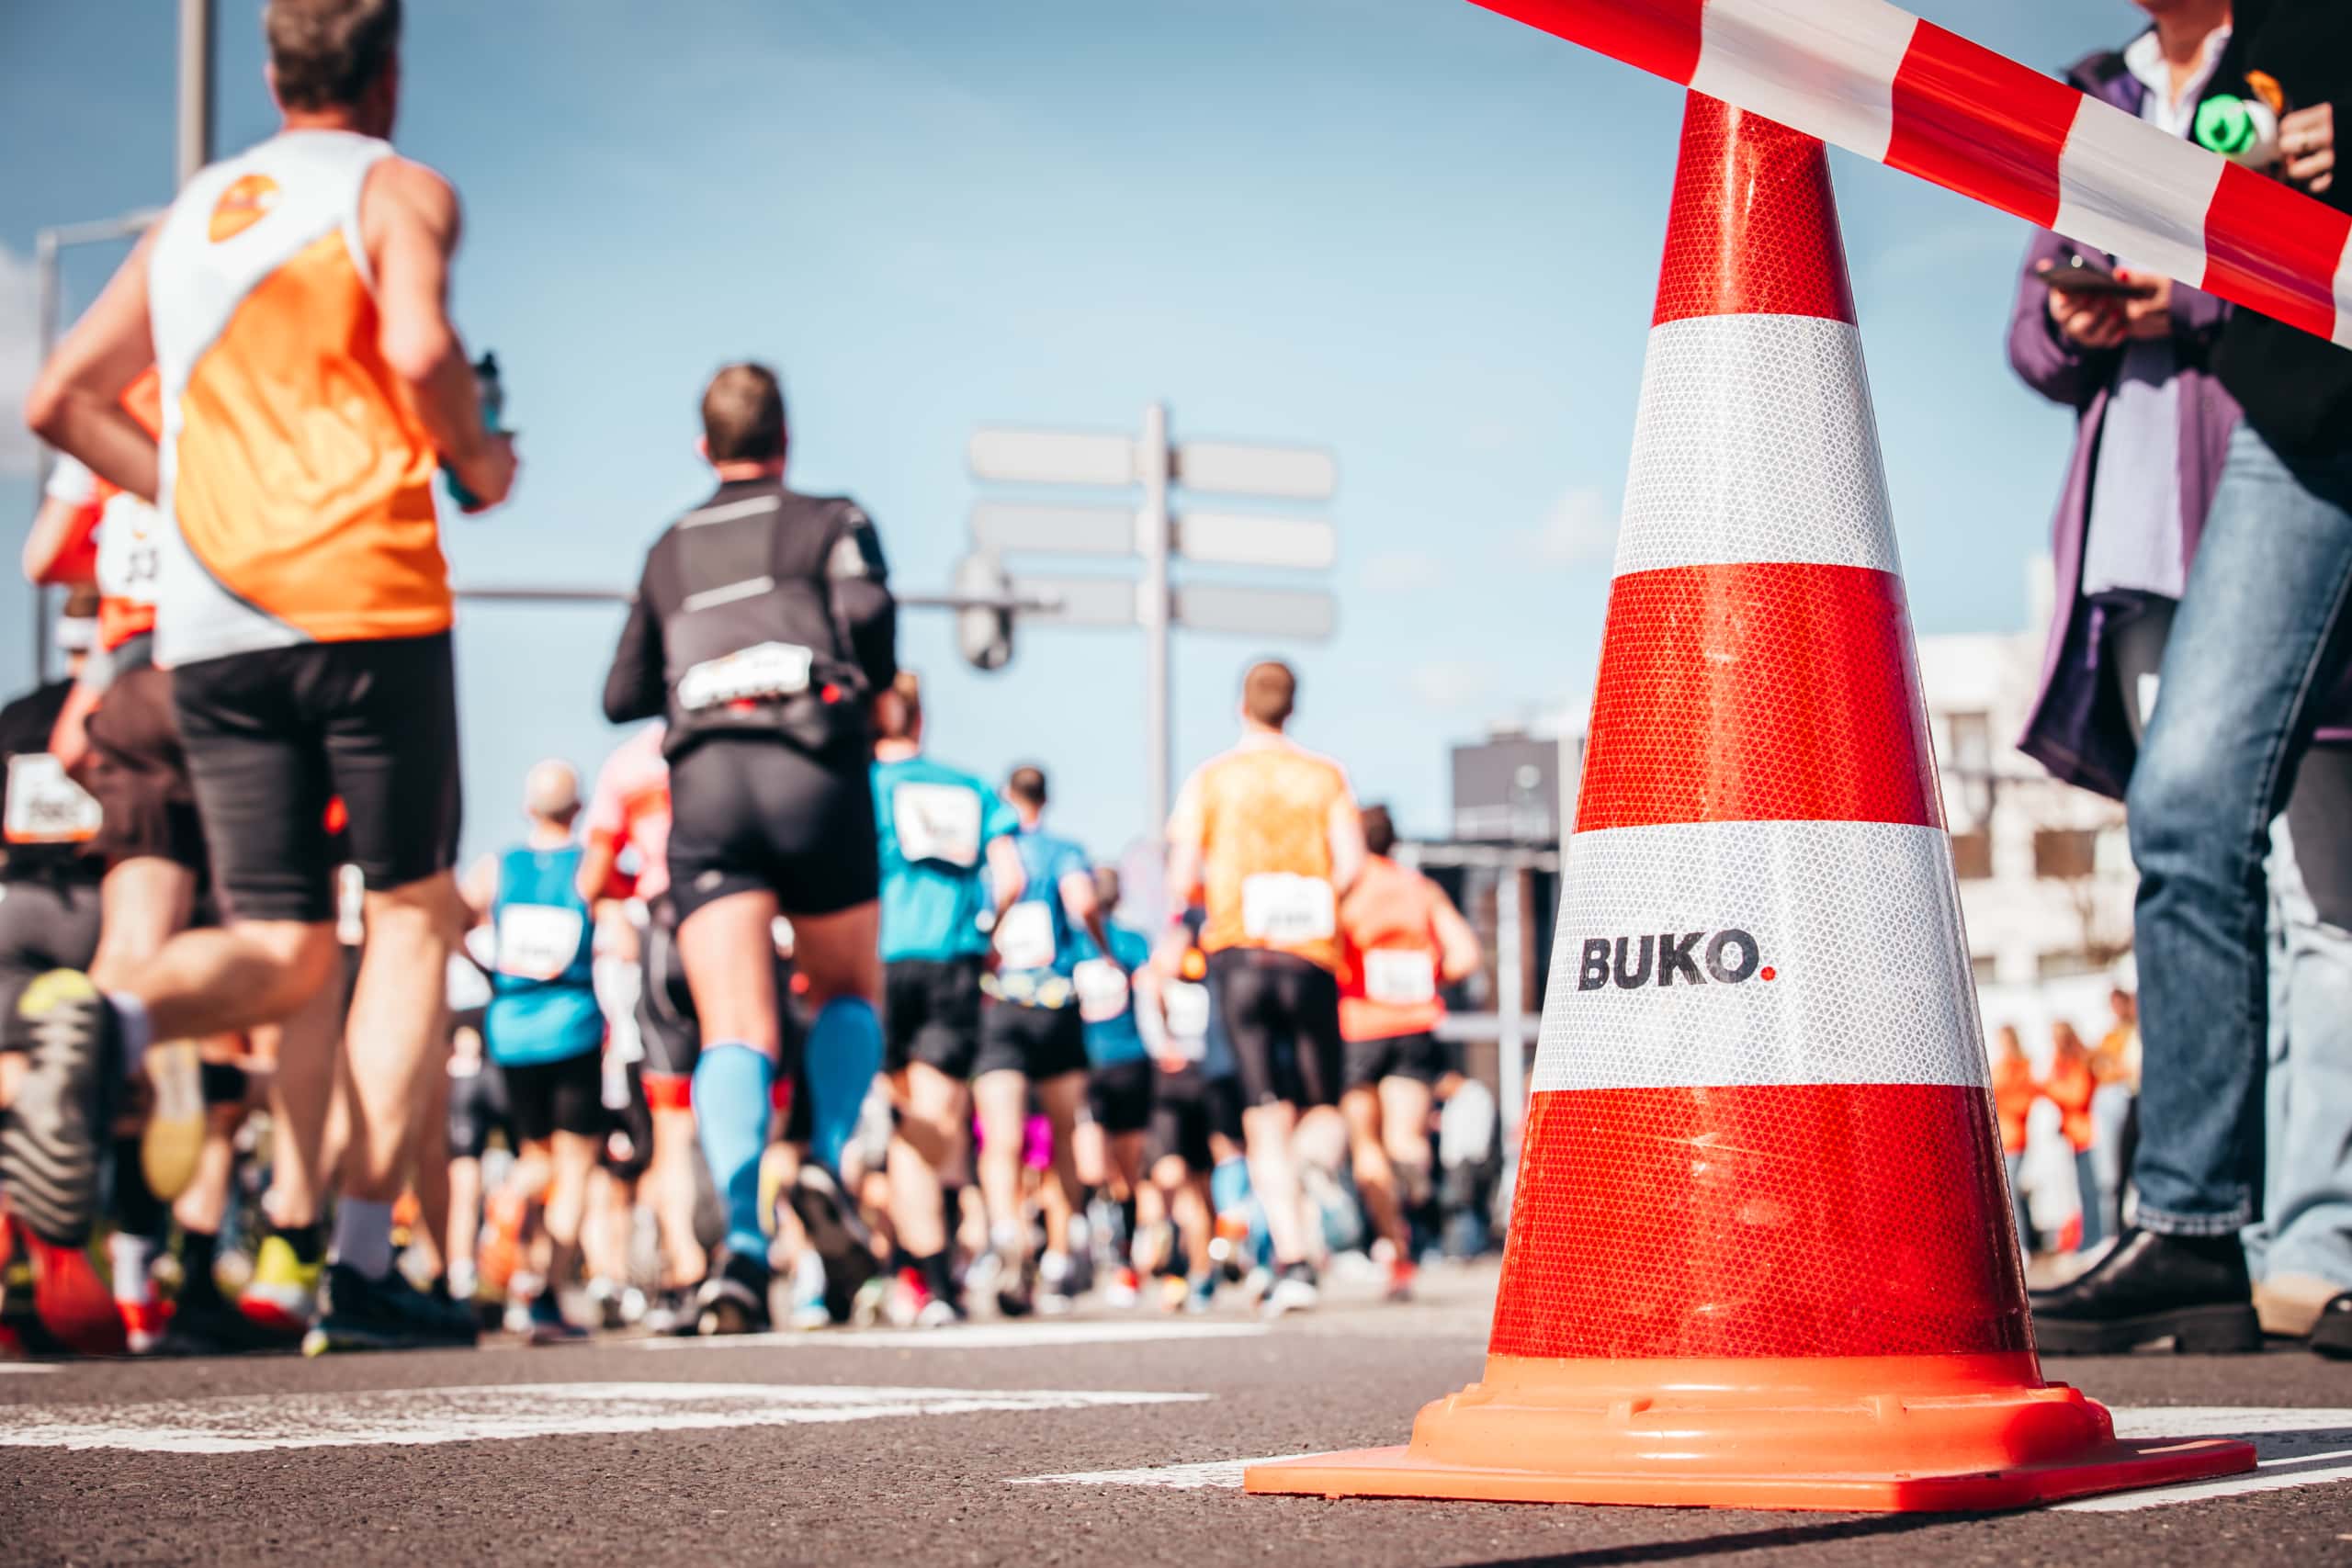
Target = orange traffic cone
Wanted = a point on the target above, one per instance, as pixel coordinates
(1761, 1254)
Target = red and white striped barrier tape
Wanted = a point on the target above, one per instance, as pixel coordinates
(1876, 80)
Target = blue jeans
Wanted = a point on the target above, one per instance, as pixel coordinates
(2086, 1189)
(2262, 617)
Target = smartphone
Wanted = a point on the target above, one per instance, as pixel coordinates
(2078, 274)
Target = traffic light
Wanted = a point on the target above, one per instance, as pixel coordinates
(984, 632)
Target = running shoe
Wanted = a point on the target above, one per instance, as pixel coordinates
(389, 1313)
(207, 1324)
(1294, 1291)
(144, 1324)
(1402, 1272)
(1056, 1293)
(65, 1103)
(1202, 1295)
(1015, 1290)
(175, 1134)
(938, 1313)
(282, 1296)
(871, 1305)
(673, 1313)
(734, 1300)
(809, 1309)
(837, 1236)
(544, 1322)
(1173, 1290)
(1125, 1288)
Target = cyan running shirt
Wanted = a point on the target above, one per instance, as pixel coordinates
(1106, 998)
(936, 824)
(543, 989)
(1034, 942)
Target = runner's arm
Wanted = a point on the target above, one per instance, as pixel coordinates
(409, 220)
(59, 551)
(1459, 956)
(479, 891)
(1345, 830)
(1077, 889)
(859, 582)
(1007, 878)
(75, 403)
(635, 687)
(599, 857)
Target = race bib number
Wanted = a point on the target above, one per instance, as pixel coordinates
(1101, 990)
(939, 822)
(1186, 1005)
(44, 806)
(539, 942)
(1281, 907)
(1399, 976)
(749, 675)
(1024, 936)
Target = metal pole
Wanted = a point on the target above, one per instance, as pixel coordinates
(1509, 1005)
(195, 137)
(45, 297)
(1152, 613)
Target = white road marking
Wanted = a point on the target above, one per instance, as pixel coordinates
(248, 1424)
(972, 1336)
(24, 1369)
(2296, 1447)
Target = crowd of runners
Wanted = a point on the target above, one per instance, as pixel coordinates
(786, 1016)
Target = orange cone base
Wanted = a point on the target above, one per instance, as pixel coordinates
(1879, 1434)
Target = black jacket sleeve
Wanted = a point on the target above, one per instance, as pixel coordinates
(636, 686)
(858, 581)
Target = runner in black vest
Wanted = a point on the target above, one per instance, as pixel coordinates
(762, 627)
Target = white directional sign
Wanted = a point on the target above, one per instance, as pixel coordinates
(1053, 456)
(1004, 528)
(1302, 473)
(1255, 612)
(1238, 539)
(1081, 601)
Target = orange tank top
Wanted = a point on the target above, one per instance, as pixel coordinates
(1389, 923)
(300, 482)
(1260, 815)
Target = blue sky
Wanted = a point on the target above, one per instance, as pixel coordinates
(1409, 229)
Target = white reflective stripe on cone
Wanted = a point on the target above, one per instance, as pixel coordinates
(1755, 442)
(1856, 924)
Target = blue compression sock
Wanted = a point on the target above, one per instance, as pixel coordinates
(731, 1115)
(844, 1053)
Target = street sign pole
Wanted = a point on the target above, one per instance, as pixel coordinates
(1152, 605)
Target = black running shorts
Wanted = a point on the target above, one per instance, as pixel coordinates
(1119, 1096)
(1421, 1058)
(1186, 1109)
(759, 814)
(931, 1014)
(563, 1096)
(137, 772)
(665, 1005)
(1281, 1012)
(628, 1132)
(478, 1107)
(1040, 1042)
(273, 735)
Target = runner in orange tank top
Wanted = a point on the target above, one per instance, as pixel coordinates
(1267, 838)
(1404, 939)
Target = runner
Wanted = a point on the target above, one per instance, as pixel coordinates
(1032, 1040)
(303, 606)
(947, 846)
(1267, 835)
(477, 1107)
(1119, 1067)
(763, 626)
(1195, 1121)
(1405, 938)
(545, 1034)
(629, 813)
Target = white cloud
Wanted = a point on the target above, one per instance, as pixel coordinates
(1401, 571)
(1581, 530)
(1452, 682)
(20, 358)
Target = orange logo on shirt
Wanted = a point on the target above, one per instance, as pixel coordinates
(242, 205)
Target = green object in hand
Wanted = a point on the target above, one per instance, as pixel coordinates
(2224, 125)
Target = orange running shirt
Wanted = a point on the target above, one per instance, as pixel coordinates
(1389, 921)
(300, 481)
(1260, 815)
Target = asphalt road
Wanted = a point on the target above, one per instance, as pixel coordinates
(926, 1450)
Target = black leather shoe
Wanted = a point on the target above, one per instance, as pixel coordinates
(2191, 1289)
(2332, 1335)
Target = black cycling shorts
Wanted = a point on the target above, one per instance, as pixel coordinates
(1040, 1042)
(931, 1014)
(1282, 1013)
(1421, 1058)
(1187, 1110)
(275, 734)
(665, 1005)
(1119, 1096)
(760, 815)
(477, 1107)
(137, 772)
(566, 1095)
(628, 1132)
(45, 923)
